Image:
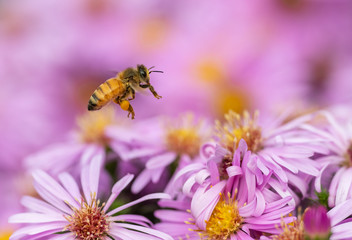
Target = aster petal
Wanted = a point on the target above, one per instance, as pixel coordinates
(247, 210)
(146, 230)
(89, 152)
(70, 185)
(61, 237)
(187, 186)
(279, 189)
(344, 186)
(177, 230)
(334, 185)
(299, 182)
(168, 203)
(42, 229)
(202, 198)
(53, 187)
(157, 174)
(201, 176)
(37, 205)
(161, 160)
(260, 203)
(58, 155)
(214, 172)
(277, 204)
(340, 212)
(342, 231)
(117, 188)
(142, 199)
(35, 218)
(141, 180)
(52, 199)
(177, 216)
(90, 178)
(187, 169)
(234, 171)
(141, 220)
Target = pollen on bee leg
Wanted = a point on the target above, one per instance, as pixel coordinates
(125, 105)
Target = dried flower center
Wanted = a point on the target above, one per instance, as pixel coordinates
(224, 164)
(348, 157)
(92, 125)
(236, 128)
(224, 220)
(185, 137)
(89, 222)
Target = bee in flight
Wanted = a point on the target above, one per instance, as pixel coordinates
(121, 89)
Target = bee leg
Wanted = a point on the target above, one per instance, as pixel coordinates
(151, 88)
(133, 92)
(130, 111)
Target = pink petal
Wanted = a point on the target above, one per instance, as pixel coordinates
(141, 181)
(161, 160)
(117, 188)
(53, 187)
(142, 199)
(145, 230)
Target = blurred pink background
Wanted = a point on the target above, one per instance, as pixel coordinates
(215, 56)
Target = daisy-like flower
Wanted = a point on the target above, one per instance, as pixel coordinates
(170, 143)
(65, 214)
(280, 151)
(318, 223)
(89, 140)
(214, 215)
(337, 164)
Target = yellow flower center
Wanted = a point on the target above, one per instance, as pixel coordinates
(92, 125)
(239, 127)
(183, 141)
(224, 220)
(210, 71)
(5, 234)
(89, 222)
(185, 137)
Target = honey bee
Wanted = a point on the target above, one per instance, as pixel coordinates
(121, 89)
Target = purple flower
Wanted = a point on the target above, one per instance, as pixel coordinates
(336, 165)
(280, 152)
(88, 141)
(225, 208)
(317, 223)
(66, 214)
(166, 143)
(341, 221)
(214, 215)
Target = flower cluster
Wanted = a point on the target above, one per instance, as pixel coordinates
(239, 179)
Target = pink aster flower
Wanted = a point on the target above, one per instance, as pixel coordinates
(65, 213)
(88, 141)
(279, 151)
(214, 215)
(317, 223)
(166, 143)
(336, 166)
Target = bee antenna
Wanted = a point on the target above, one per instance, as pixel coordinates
(151, 68)
(156, 71)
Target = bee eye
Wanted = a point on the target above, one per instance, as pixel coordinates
(143, 73)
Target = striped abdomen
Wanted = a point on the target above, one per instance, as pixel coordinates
(106, 92)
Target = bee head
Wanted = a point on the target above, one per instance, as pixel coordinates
(143, 73)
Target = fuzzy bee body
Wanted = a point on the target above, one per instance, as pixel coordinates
(107, 91)
(121, 89)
